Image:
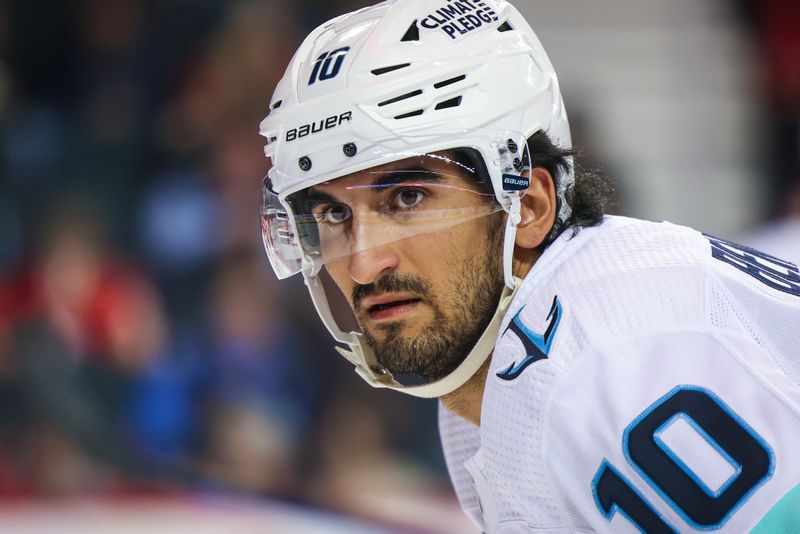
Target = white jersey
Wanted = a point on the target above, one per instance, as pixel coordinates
(646, 377)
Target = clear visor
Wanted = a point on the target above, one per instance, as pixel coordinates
(374, 208)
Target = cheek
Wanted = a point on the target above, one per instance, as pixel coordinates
(440, 256)
(464, 240)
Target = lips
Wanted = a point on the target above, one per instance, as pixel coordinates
(389, 306)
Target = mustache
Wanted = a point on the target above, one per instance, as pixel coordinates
(390, 283)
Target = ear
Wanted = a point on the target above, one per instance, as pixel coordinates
(537, 210)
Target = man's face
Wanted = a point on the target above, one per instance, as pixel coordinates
(422, 298)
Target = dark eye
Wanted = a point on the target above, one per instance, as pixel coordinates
(336, 214)
(408, 198)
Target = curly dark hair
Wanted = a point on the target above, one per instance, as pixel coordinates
(590, 197)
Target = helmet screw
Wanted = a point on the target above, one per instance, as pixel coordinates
(378, 370)
(518, 165)
(350, 150)
(305, 163)
(512, 146)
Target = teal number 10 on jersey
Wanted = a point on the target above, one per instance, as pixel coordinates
(746, 463)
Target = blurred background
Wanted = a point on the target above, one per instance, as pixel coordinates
(153, 373)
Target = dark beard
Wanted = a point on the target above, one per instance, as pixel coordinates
(446, 342)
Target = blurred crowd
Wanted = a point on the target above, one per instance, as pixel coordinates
(144, 343)
(776, 26)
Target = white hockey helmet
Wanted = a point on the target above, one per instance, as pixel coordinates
(399, 79)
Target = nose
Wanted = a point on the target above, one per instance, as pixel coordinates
(366, 266)
(370, 255)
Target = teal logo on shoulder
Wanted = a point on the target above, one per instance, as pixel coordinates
(537, 346)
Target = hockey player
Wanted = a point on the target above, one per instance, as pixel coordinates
(596, 373)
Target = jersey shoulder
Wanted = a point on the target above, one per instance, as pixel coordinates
(627, 276)
(608, 283)
(607, 325)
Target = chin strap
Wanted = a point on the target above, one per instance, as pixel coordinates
(509, 242)
(368, 368)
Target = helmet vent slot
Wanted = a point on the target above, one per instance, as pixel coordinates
(411, 114)
(277, 104)
(386, 70)
(504, 27)
(452, 103)
(400, 98)
(412, 34)
(451, 81)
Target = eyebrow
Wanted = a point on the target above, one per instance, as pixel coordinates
(312, 198)
(315, 197)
